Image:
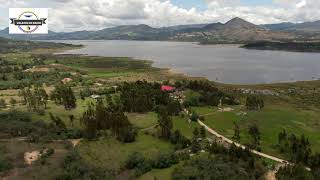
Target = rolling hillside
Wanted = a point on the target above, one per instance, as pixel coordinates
(236, 30)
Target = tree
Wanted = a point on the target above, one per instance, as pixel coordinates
(71, 119)
(89, 121)
(165, 122)
(57, 121)
(203, 132)
(35, 98)
(2, 103)
(13, 101)
(99, 117)
(195, 145)
(254, 102)
(255, 135)
(196, 133)
(236, 135)
(194, 117)
(64, 95)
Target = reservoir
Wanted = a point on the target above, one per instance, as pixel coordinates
(223, 63)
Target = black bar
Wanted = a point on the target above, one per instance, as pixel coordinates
(28, 22)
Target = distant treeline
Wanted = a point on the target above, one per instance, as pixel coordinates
(10, 46)
(285, 46)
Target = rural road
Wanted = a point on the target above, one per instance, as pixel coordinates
(215, 133)
(229, 141)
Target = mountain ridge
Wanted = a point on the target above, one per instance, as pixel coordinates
(235, 30)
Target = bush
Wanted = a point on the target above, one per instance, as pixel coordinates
(75, 168)
(127, 135)
(165, 160)
(134, 160)
(138, 162)
(2, 103)
(254, 103)
(5, 164)
(194, 116)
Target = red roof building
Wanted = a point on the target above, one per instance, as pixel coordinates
(167, 88)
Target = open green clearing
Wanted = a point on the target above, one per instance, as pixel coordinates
(110, 154)
(143, 120)
(271, 120)
(159, 173)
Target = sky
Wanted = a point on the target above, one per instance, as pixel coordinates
(74, 15)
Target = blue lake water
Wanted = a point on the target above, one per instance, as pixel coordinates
(223, 63)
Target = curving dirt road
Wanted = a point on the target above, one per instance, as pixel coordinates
(229, 141)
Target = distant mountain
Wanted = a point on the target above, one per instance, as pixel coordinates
(184, 27)
(236, 30)
(306, 27)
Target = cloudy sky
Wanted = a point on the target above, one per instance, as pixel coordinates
(71, 15)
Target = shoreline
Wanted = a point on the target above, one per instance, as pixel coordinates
(173, 72)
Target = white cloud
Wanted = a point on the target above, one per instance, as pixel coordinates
(11, 3)
(105, 13)
(70, 15)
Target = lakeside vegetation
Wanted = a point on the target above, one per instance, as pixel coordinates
(107, 118)
(285, 46)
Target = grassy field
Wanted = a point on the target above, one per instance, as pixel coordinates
(184, 126)
(159, 174)
(271, 120)
(143, 120)
(110, 154)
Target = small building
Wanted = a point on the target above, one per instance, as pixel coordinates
(66, 80)
(167, 88)
(94, 96)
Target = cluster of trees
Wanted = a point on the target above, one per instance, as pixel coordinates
(17, 124)
(209, 94)
(140, 164)
(299, 151)
(74, 167)
(297, 172)
(253, 131)
(142, 96)
(298, 148)
(221, 163)
(63, 95)
(164, 121)
(254, 103)
(35, 98)
(236, 136)
(100, 117)
(5, 160)
(179, 140)
(198, 141)
(255, 134)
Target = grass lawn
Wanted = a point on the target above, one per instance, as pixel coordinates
(160, 174)
(110, 154)
(203, 110)
(143, 120)
(58, 110)
(183, 125)
(271, 120)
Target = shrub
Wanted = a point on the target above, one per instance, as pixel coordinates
(165, 160)
(5, 164)
(194, 116)
(2, 103)
(127, 135)
(138, 162)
